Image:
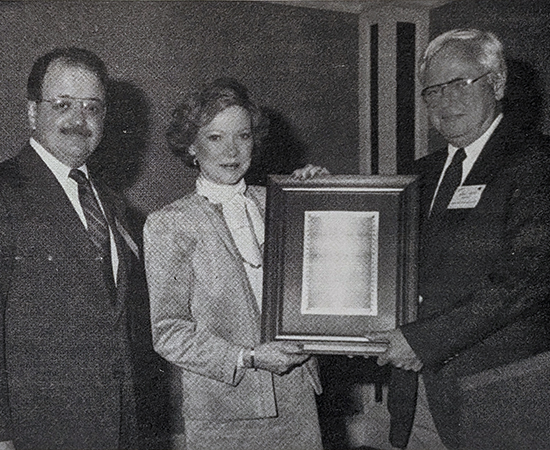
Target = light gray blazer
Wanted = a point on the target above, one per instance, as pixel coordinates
(203, 311)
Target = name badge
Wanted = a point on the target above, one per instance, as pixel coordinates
(467, 197)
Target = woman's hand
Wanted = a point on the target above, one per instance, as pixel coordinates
(279, 357)
(309, 171)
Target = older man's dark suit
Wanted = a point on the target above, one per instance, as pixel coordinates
(484, 272)
(69, 339)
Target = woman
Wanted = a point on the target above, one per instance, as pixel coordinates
(204, 268)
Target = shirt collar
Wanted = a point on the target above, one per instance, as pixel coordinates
(474, 149)
(60, 170)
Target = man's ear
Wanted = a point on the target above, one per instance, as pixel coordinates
(498, 81)
(31, 113)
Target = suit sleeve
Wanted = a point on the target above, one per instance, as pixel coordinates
(519, 285)
(176, 337)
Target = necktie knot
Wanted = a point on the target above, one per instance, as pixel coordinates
(459, 156)
(79, 177)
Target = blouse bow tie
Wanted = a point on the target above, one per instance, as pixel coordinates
(242, 216)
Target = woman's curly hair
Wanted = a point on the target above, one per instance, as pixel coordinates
(199, 109)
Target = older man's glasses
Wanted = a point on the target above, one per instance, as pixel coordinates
(90, 107)
(454, 88)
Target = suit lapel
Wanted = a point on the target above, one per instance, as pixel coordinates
(494, 155)
(215, 216)
(126, 247)
(257, 199)
(430, 171)
(48, 205)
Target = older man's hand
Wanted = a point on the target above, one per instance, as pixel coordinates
(399, 352)
(309, 171)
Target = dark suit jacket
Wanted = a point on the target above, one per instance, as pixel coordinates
(69, 340)
(484, 275)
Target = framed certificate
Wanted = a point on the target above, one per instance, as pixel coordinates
(340, 260)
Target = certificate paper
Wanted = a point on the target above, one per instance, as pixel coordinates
(340, 263)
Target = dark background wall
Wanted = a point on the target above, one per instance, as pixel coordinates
(524, 28)
(299, 64)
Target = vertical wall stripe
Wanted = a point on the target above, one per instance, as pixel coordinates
(374, 98)
(405, 96)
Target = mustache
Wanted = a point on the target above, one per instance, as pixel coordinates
(76, 131)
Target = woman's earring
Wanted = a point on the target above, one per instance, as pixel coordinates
(195, 162)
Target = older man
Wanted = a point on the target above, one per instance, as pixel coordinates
(485, 250)
(70, 335)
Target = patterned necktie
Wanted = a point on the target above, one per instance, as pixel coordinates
(449, 184)
(98, 228)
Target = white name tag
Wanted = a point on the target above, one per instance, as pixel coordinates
(467, 197)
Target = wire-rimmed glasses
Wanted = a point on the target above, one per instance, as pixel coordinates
(454, 88)
(91, 107)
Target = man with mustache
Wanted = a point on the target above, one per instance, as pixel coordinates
(70, 282)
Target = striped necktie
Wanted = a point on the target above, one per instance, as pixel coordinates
(98, 228)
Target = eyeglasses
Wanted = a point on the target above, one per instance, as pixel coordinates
(453, 88)
(91, 107)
